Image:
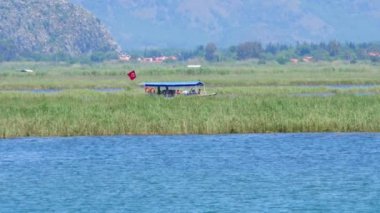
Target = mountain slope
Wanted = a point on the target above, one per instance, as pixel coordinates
(50, 27)
(176, 23)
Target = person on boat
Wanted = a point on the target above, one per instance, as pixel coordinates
(192, 91)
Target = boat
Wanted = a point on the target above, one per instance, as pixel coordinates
(172, 89)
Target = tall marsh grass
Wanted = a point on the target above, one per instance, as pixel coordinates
(76, 76)
(91, 113)
(251, 98)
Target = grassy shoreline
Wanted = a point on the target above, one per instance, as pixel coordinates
(63, 76)
(87, 113)
(251, 99)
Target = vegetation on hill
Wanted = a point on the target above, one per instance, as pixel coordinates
(44, 29)
(281, 53)
(185, 24)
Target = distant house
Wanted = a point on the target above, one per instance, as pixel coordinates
(149, 60)
(374, 54)
(294, 60)
(158, 59)
(124, 57)
(307, 59)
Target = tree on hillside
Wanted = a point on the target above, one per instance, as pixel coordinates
(199, 51)
(248, 50)
(303, 49)
(271, 48)
(7, 50)
(333, 48)
(321, 54)
(210, 52)
(152, 53)
(185, 55)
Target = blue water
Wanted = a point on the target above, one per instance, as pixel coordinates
(232, 173)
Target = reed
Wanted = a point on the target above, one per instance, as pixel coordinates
(82, 112)
(56, 75)
(251, 98)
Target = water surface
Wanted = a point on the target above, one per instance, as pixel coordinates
(222, 173)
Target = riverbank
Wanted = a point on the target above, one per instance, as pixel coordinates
(251, 99)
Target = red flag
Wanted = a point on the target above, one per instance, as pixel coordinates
(132, 75)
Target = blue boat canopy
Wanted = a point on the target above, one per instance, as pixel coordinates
(173, 84)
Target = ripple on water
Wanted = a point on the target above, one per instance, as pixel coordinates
(216, 173)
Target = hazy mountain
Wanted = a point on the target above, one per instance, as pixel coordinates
(30, 27)
(186, 23)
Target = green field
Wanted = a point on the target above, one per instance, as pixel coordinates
(251, 98)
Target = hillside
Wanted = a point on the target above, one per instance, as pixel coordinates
(176, 23)
(32, 27)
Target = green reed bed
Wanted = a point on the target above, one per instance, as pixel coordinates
(76, 76)
(89, 113)
(251, 98)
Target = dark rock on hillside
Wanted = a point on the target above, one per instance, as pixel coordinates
(49, 27)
